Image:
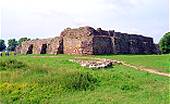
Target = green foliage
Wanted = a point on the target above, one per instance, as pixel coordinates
(2, 45)
(56, 80)
(165, 43)
(156, 62)
(12, 53)
(11, 64)
(80, 81)
(22, 40)
(130, 87)
(12, 43)
(3, 53)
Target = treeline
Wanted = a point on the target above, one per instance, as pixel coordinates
(12, 44)
(164, 43)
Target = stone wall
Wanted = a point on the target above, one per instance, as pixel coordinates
(38, 46)
(87, 40)
(102, 45)
(41, 46)
(55, 46)
(78, 41)
(133, 44)
(123, 43)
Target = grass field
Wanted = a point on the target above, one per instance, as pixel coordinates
(157, 62)
(55, 80)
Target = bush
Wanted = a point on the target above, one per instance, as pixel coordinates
(3, 53)
(11, 53)
(165, 43)
(11, 64)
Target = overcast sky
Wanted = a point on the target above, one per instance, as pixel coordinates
(47, 18)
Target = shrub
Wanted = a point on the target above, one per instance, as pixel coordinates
(3, 53)
(11, 64)
(11, 53)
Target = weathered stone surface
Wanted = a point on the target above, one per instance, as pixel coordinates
(55, 46)
(18, 49)
(78, 41)
(38, 46)
(102, 45)
(97, 64)
(88, 41)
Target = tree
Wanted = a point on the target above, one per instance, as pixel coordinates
(22, 40)
(165, 43)
(2, 45)
(12, 43)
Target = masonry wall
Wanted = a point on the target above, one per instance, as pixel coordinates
(55, 46)
(25, 47)
(38, 46)
(102, 45)
(78, 41)
(87, 40)
(123, 43)
(133, 44)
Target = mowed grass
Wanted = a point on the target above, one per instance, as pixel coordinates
(158, 62)
(55, 80)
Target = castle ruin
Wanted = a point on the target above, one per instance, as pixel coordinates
(88, 41)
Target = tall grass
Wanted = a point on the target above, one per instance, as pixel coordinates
(56, 80)
(8, 63)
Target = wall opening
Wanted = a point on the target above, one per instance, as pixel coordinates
(43, 49)
(30, 49)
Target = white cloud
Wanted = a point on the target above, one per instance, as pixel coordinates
(45, 18)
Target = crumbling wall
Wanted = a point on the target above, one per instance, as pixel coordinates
(78, 41)
(102, 45)
(25, 47)
(133, 44)
(87, 40)
(55, 46)
(38, 46)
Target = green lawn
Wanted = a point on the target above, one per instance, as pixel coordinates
(55, 80)
(157, 62)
